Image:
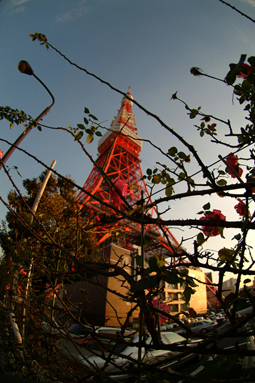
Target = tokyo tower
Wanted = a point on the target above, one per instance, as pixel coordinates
(119, 150)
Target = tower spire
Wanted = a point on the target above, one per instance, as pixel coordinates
(125, 114)
(123, 125)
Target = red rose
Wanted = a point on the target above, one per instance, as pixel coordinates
(248, 69)
(232, 161)
(212, 230)
(241, 208)
(123, 188)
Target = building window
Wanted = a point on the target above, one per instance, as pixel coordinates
(173, 297)
(171, 286)
(174, 308)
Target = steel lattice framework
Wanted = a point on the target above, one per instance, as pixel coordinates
(118, 158)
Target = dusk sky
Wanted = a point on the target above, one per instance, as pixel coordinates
(146, 44)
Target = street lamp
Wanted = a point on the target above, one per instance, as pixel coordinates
(24, 67)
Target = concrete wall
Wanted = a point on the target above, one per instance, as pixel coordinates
(116, 308)
(100, 305)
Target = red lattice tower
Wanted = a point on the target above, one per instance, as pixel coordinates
(119, 150)
(118, 157)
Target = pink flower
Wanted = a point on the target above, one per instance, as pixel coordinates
(123, 188)
(1, 153)
(212, 230)
(163, 307)
(232, 161)
(248, 69)
(241, 208)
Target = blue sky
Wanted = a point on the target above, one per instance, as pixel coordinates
(147, 44)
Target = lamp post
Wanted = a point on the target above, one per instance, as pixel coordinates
(24, 67)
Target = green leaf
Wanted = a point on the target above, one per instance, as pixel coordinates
(78, 136)
(39, 128)
(200, 238)
(222, 182)
(246, 85)
(251, 78)
(182, 155)
(234, 70)
(99, 134)
(181, 176)
(237, 237)
(86, 110)
(190, 282)
(251, 60)
(184, 272)
(207, 206)
(81, 126)
(149, 172)
(172, 151)
(225, 254)
(171, 278)
(156, 179)
(93, 117)
(191, 182)
(90, 138)
(153, 264)
(169, 190)
(187, 293)
(193, 113)
(134, 187)
(220, 230)
(144, 284)
(85, 120)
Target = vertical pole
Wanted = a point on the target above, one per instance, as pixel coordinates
(34, 209)
(42, 188)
